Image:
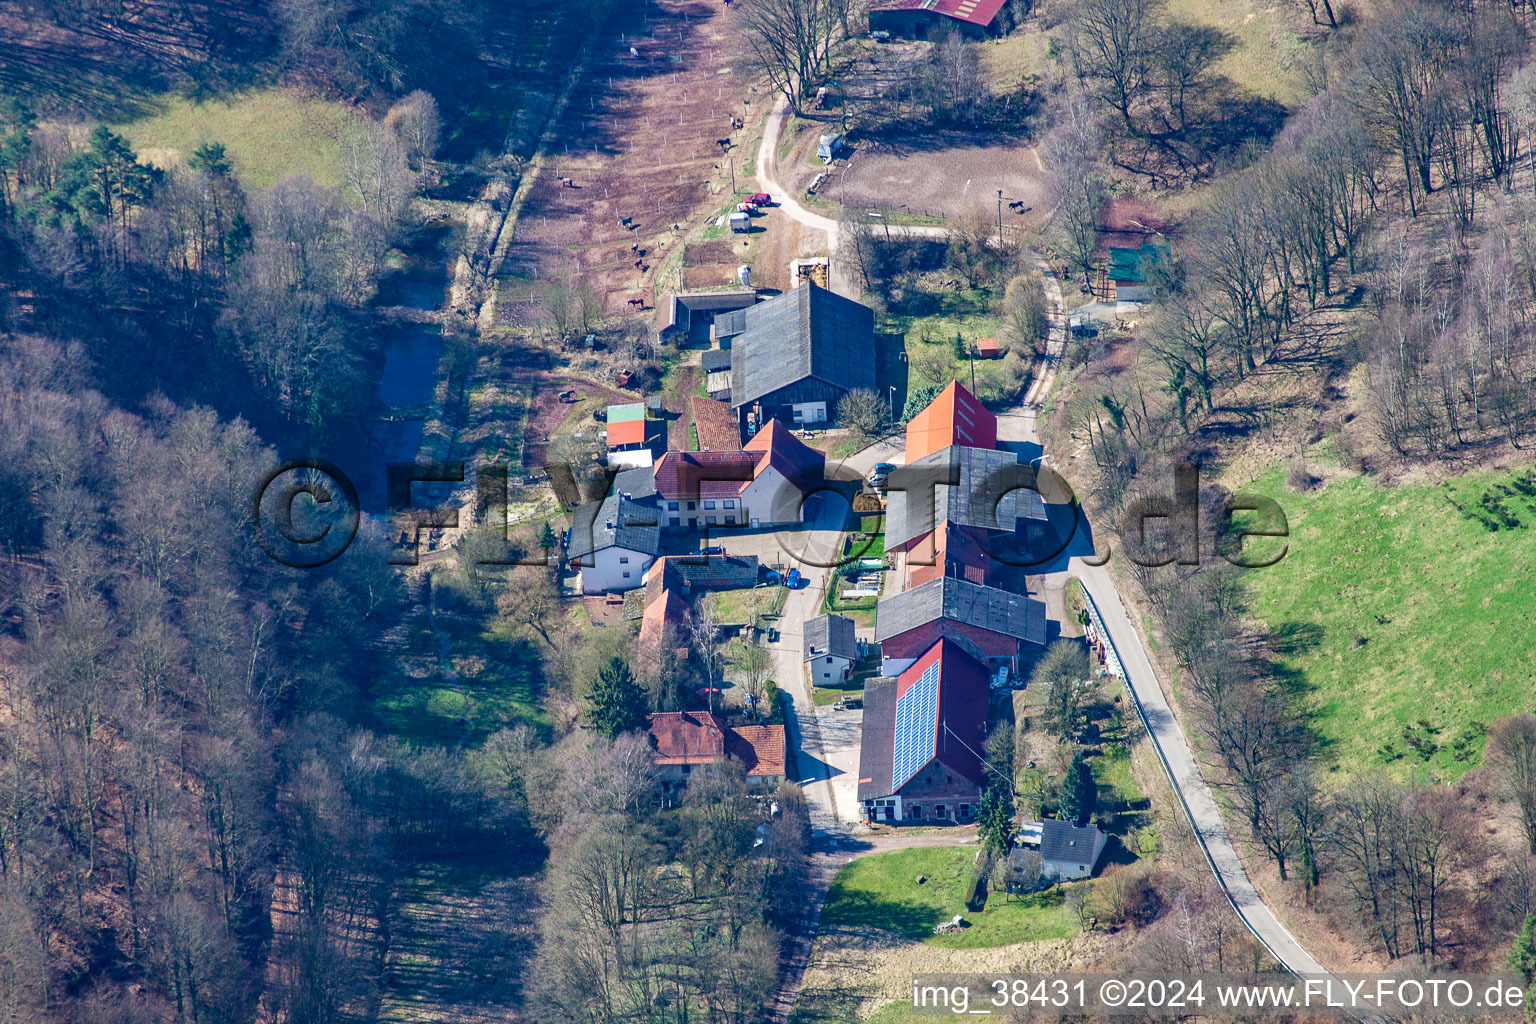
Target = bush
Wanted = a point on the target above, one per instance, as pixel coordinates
(1299, 478)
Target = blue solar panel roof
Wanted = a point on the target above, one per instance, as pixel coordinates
(917, 713)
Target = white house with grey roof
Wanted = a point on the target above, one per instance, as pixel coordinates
(612, 543)
(798, 354)
(1069, 851)
(830, 648)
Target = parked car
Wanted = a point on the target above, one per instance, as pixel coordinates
(794, 581)
(760, 199)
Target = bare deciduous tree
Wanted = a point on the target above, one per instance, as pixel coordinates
(791, 41)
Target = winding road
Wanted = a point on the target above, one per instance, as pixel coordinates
(1178, 758)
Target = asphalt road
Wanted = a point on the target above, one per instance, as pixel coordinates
(1018, 425)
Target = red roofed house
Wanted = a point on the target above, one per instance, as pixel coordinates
(955, 417)
(685, 740)
(920, 749)
(761, 485)
(988, 348)
(950, 550)
(918, 19)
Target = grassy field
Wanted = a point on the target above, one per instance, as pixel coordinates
(1409, 618)
(268, 133)
(494, 685)
(881, 891)
(1014, 59)
(1265, 46)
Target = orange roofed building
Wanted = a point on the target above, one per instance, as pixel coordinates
(953, 418)
(684, 740)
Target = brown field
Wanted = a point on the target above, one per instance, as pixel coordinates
(637, 139)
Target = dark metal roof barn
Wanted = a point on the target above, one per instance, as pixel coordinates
(807, 332)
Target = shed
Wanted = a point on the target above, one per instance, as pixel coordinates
(828, 146)
(830, 648)
(626, 425)
(988, 348)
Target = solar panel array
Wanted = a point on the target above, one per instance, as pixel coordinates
(917, 713)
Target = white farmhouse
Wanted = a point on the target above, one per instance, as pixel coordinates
(613, 543)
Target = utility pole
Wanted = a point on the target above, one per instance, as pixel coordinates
(841, 199)
(999, 216)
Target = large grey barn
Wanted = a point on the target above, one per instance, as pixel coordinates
(799, 354)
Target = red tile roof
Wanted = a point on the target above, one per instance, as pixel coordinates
(715, 425)
(959, 714)
(759, 747)
(687, 737)
(700, 737)
(955, 417)
(692, 475)
(797, 462)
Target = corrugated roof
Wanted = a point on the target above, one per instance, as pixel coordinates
(806, 332)
(626, 432)
(715, 359)
(626, 413)
(712, 572)
(935, 710)
(877, 738)
(989, 493)
(829, 634)
(989, 608)
(976, 12)
(1133, 266)
(954, 417)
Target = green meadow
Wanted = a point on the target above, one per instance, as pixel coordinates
(1409, 614)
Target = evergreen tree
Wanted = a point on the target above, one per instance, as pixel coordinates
(1523, 957)
(617, 702)
(1079, 794)
(547, 539)
(994, 820)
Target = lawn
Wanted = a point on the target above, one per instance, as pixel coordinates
(826, 696)
(495, 685)
(746, 604)
(1407, 618)
(881, 891)
(268, 133)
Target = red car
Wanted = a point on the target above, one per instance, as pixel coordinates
(761, 199)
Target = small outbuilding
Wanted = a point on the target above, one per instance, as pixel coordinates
(830, 648)
(828, 147)
(741, 223)
(626, 426)
(988, 348)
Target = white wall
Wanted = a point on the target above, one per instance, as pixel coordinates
(828, 668)
(605, 573)
(771, 499)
